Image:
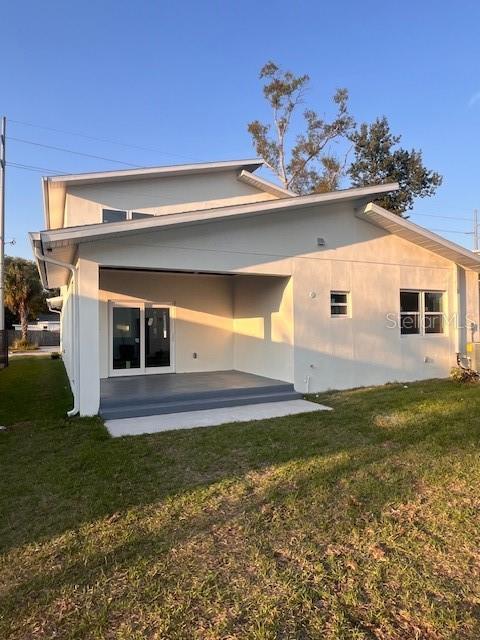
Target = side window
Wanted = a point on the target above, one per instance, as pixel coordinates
(409, 312)
(433, 311)
(110, 215)
(339, 304)
(421, 312)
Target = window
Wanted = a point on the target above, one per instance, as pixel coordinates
(433, 306)
(409, 312)
(421, 312)
(339, 303)
(110, 215)
(136, 215)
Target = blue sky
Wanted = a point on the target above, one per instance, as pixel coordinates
(181, 78)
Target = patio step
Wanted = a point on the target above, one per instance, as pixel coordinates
(196, 402)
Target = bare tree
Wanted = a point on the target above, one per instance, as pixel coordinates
(305, 166)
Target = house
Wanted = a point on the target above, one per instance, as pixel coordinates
(44, 322)
(169, 273)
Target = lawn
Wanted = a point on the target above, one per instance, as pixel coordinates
(362, 522)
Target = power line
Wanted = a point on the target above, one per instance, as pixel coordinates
(106, 140)
(77, 153)
(467, 233)
(30, 167)
(434, 215)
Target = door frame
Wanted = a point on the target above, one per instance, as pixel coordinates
(142, 370)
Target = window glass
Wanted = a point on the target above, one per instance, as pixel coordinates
(421, 312)
(137, 215)
(338, 298)
(433, 301)
(111, 215)
(409, 301)
(434, 323)
(409, 323)
(339, 303)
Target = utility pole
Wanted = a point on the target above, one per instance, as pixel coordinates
(475, 229)
(3, 132)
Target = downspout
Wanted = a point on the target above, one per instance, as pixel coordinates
(60, 314)
(76, 376)
(456, 292)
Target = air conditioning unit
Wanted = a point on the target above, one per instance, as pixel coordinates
(473, 353)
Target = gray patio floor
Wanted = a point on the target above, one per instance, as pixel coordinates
(142, 395)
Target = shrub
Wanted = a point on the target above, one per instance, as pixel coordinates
(459, 374)
(24, 345)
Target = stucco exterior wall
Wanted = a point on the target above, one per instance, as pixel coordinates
(203, 308)
(242, 323)
(84, 203)
(263, 326)
(66, 330)
(327, 352)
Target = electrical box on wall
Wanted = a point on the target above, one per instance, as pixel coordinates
(473, 353)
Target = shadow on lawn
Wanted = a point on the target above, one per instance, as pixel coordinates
(123, 502)
(313, 460)
(62, 473)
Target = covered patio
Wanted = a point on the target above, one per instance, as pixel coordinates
(145, 395)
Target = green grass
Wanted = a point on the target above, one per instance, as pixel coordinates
(362, 522)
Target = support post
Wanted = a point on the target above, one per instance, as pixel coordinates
(475, 229)
(2, 222)
(88, 336)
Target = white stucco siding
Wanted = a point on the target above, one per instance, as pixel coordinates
(203, 314)
(66, 330)
(89, 336)
(472, 304)
(263, 326)
(365, 348)
(84, 204)
(358, 257)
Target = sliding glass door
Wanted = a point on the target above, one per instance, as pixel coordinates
(125, 338)
(141, 339)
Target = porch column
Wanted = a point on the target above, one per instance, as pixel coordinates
(88, 337)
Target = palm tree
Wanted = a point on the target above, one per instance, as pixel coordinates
(23, 291)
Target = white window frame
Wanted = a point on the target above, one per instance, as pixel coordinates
(128, 213)
(421, 313)
(142, 305)
(346, 304)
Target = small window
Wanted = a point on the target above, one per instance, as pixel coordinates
(137, 215)
(338, 303)
(421, 312)
(111, 215)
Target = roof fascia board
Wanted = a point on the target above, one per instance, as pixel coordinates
(36, 242)
(250, 164)
(470, 258)
(89, 233)
(264, 185)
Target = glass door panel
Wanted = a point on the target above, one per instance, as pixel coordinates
(126, 337)
(157, 337)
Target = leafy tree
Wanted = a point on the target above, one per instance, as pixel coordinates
(304, 166)
(377, 159)
(24, 295)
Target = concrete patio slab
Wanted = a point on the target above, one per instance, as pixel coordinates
(209, 417)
